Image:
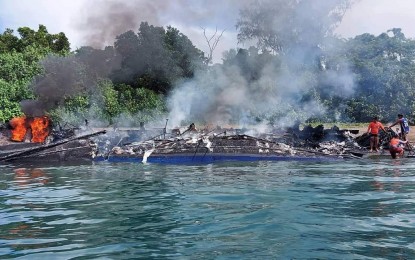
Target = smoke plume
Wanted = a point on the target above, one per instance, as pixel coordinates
(104, 20)
(66, 77)
(278, 94)
(225, 94)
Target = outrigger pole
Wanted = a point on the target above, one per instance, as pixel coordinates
(165, 129)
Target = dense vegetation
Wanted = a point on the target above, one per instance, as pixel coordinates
(354, 79)
(130, 78)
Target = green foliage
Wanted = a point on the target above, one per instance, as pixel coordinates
(148, 100)
(19, 64)
(385, 69)
(184, 54)
(9, 103)
(16, 66)
(8, 41)
(130, 79)
(42, 39)
(77, 103)
(155, 58)
(16, 72)
(282, 24)
(135, 100)
(110, 99)
(152, 60)
(112, 102)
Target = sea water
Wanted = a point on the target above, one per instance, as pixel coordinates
(259, 210)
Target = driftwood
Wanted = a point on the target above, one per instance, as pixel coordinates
(29, 151)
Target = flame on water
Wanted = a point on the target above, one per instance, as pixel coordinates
(19, 128)
(39, 127)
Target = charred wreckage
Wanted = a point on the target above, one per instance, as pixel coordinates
(37, 139)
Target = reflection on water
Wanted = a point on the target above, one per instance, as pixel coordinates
(24, 177)
(263, 210)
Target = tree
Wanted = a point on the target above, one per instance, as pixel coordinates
(16, 72)
(98, 63)
(283, 24)
(19, 64)
(56, 43)
(251, 62)
(186, 56)
(8, 41)
(386, 79)
(212, 43)
(155, 57)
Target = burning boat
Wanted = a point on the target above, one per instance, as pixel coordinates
(35, 139)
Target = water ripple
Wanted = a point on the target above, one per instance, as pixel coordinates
(264, 210)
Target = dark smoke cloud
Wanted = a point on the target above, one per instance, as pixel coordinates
(65, 77)
(60, 79)
(104, 20)
(225, 97)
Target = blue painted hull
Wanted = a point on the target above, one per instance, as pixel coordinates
(211, 158)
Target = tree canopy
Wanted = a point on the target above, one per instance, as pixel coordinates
(42, 39)
(19, 64)
(156, 57)
(352, 79)
(285, 24)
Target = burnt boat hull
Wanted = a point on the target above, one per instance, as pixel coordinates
(70, 149)
(76, 150)
(210, 158)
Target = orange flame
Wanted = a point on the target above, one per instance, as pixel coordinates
(19, 128)
(40, 129)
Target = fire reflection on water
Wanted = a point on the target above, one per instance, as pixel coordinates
(24, 177)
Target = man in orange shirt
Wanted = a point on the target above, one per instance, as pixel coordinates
(373, 130)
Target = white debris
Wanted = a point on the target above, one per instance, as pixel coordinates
(147, 154)
(117, 150)
(207, 142)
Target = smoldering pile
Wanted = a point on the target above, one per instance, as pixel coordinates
(308, 142)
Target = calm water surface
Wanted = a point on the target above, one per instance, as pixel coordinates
(262, 210)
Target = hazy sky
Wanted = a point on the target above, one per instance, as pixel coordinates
(87, 21)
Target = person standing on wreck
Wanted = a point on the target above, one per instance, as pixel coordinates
(403, 122)
(373, 130)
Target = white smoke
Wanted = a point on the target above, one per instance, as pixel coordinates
(222, 96)
(225, 95)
